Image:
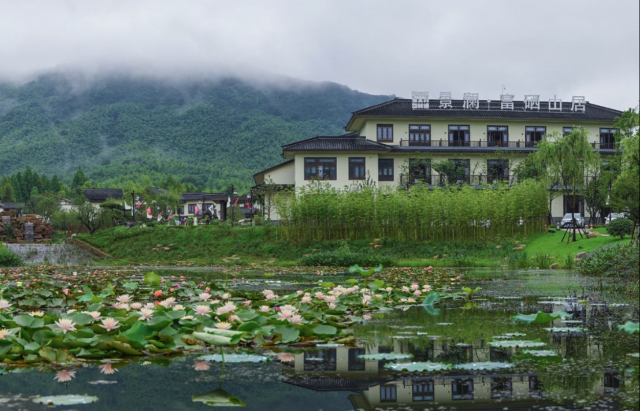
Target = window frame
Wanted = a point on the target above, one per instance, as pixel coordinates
(565, 132)
(467, 169)
(426, 131)
(505, 169)
(393, 391)
(466, 138)
(353, 166)
(388, 177)
(420, 169)
(383, 137)
(317, 162)
(503, 141)
(191, 208)
(528, 138)
(611, 132)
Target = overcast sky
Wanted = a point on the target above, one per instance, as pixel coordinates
(544, 47)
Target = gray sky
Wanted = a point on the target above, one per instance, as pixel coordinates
(544, 47)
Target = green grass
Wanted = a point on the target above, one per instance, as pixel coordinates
(213, 245)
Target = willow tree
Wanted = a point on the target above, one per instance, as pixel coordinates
(566, 160)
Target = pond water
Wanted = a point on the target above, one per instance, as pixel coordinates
(594, 365)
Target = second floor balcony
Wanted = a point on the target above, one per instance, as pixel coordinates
(407, 179)
(491, 143)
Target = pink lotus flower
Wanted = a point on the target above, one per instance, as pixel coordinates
(285, 314)
(201, 366)
(65, 375)
(227, 308)
(204, 296)
(3, 333)
(366, 299)
(126, 298)
(107, 369)
(110, 324)
(306, 299)
(286, 357)
(145, 314)
(168, 302)
(94, 314)
(296, 319)
(223, 325)
(202, 309)
(4, 305)
(264, 308)
(65, 325)
(136, 306)
(366, 317)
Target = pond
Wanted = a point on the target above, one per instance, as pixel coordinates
(463, 354)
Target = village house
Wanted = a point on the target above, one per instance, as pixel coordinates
(395, 143)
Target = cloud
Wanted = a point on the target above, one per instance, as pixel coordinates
(568, 47)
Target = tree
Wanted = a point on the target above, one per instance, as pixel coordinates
(566, 160)
(529, 169)
(78, 180)
(7, 192)
(91, 217)
(625, 196)
(596, 193)
(266, 195)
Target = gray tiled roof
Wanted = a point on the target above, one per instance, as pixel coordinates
(402, 108)
(347, 142)
(101, 194)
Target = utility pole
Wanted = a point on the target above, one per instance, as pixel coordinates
(133, 206)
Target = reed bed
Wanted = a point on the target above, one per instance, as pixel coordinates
(319, 212)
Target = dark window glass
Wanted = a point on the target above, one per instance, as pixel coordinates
(355, 362)
(535, 386)
(357, 168)
(423, 390)
(462, 389)
(501, 387)
(608, 137)
(192, 208)
(388, 393)
(420, 170)
(385, 133)
(419, 135)
(323, 168)
(385, 169)
(569, 205)
(320, 360)
(461, 172)
(497, 136)
(534, 135)
(497, 170)
(566, 131)
(459, 136)
(612, 382)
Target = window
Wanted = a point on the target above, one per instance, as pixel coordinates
(535, 386)
(461, 172)
(419, 135)
(420, 170)
(608, 137)
(385, 169)
(459, 136)
(497, 170)
(385, 133)
(497, 136)
(357, 168)
(180, 210)
(321, 168)
(423, 390)
(569, 205)
(534, 135)
(612, 382)
(320, 360)
(355, 362)
(388, 393)
(462, 389)
(501, 388)
(566, 131)
(192, 208)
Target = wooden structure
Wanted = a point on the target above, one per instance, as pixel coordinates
(28, 228)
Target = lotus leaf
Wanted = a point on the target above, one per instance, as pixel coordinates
(235, 358)
(218, 398)
(386, 356)
(629, 327)
(54, 400)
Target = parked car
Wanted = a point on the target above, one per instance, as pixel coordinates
(614, 216)
(568, 218)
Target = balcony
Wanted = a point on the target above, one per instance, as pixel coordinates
(407, 180)
(489, 144)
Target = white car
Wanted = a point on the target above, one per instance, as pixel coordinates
(614, 216)
(567, 220)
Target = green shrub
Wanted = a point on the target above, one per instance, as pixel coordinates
(346, 259)
(620, 227)
(542, 261)
(519, 261)
(8, 258)
(613, 260)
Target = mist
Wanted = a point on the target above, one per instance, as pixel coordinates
(566, 48)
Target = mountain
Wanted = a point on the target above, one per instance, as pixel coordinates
(211, 133)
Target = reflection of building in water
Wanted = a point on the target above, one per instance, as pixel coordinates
(373, 386)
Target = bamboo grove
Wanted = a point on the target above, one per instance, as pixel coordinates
(319, 212)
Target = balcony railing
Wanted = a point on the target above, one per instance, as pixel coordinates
(487, 143)
(407, 180)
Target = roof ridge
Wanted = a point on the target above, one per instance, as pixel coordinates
(376, 105)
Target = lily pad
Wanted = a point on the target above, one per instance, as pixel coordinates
(541, 317)
(629, 327)
(54, 400)
(218, 398)
(390, 356)
(235, 358)
(419, 366)
(483, 366)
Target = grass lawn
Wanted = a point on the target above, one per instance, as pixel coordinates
(551, 244)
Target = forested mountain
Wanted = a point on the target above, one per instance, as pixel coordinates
(211, 133)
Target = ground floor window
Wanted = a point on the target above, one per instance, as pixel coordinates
(461, 172)
(420, 170)
(423, 390)
(571, 207)
(320, 168)
(385, 169)
(388, 393)
(497, 170)
(192, 208)
(462, 389)
(357, 168)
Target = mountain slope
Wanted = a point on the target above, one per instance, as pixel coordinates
(208, 132)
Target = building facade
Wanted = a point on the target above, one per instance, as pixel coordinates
(397, 143)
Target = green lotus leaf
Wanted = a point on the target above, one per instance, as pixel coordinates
(235, 358)
(250, 326)
(218, 398)
(431, 298)
(386, 356)
(629, 327)
(152, 279)
(325, 330)
(54, 400)
(541, 317)
(28, 321)
(289, 334)
(212, 339)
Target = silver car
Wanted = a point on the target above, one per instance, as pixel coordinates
(614, 216)
(567, 220)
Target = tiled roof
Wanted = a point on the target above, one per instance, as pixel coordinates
(101, 194)
(402, 108)
(347, 142)
(266, 170)
(207, 196)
